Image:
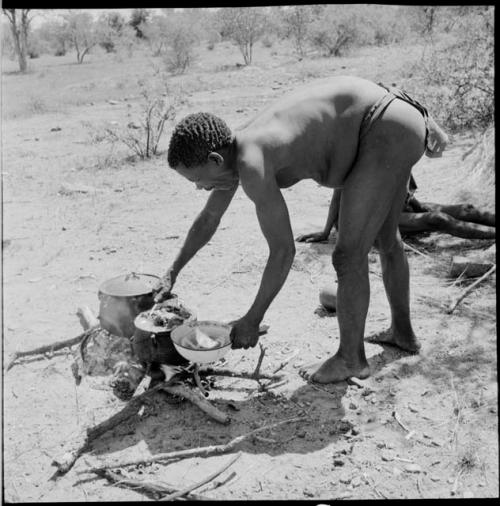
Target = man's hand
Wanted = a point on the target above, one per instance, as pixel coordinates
(163, 288)
(244, 334)
(313, 237)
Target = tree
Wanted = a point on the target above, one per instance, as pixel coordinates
(81, 32)
(110, 26)
(156, 32)
(244, 26)
(337, 29)
(297, 20)
(20, 20)
(55, 35)
(137, 18)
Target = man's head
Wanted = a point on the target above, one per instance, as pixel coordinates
(195, 151)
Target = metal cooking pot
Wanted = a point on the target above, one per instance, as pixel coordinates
(152, 344)
(122, 298)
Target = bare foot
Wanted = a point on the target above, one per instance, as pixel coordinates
(406, 343)
(333, 370)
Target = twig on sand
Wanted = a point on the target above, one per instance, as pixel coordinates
(205, 451)
(242, 374)
(469, 289)
(286, 361)
(259, 362)
(48, 348)
(154, 489)
(200, 483)
(396, 417)
(88, 321)
(219, 483)
(415, 250)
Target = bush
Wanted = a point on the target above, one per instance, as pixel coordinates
(142, 136)
(457, 69)
(244, 26)
(336, 30)
(180, 52)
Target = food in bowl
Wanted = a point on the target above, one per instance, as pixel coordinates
(202, 341)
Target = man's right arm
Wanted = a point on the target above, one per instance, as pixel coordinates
(201, 231)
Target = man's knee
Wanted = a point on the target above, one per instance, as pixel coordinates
(390, 248)
(344, 259)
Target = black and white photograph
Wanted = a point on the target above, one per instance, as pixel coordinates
(248, 253)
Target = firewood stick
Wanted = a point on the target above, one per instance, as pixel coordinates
(204, 451)
(197, 400)
(87, 318)
(148, 486)
(80, 444)
(244, 375)
(259, 362)
(469, 289)
(48, 348)
(286, 361)
(200, 483)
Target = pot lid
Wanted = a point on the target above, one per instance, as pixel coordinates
(129, 285)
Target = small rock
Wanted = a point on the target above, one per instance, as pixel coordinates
(386, 456)
(396, 471)
(301, 434)
(354, 431)
(450, 480)
(338, 462)
(412, 408)
(56, 129)
(373, 400)
(308, 493)
(133, 125)
(345, 479)
(413, 468)
(352, 406)
(113, 102)
(356, 481)
(435, 478)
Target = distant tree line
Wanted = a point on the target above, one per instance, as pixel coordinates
(458, 40)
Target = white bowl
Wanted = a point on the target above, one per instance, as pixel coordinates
(216, 330)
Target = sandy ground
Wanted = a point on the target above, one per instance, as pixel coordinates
(60, 245)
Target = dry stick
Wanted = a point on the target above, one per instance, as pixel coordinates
(148, 486)
(243, 375)
(197, 400)
(286, 361)
(259, 362)
(415, 250)
(396, 417)
(219, 483)
(205, 451)
(186, 490)
(468, 290)
(88, 321)
(48, 348)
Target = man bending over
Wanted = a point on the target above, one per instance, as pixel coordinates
(343, 132)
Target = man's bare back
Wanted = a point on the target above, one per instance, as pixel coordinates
(342, 132)
(311, 133)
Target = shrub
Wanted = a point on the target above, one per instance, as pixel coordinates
(180, 52)
(142, 137)
(457, 69)
(336, 30)
(244, 26)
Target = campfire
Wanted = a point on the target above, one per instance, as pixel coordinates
(143, 348)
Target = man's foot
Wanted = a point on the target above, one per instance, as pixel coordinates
(333, 370)
(407, 343)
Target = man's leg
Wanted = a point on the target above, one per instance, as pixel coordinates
(375, 188)
(395, 274)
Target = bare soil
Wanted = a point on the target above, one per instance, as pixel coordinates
(60, 244)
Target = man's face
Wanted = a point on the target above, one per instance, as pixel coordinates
(209, 176)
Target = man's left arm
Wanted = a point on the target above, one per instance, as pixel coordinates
(274, 221)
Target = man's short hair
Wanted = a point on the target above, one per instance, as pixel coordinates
(195, 137)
